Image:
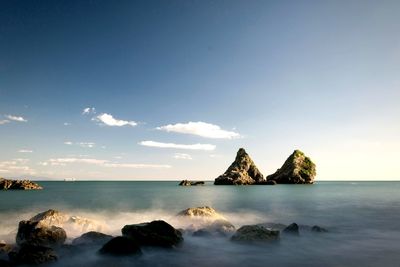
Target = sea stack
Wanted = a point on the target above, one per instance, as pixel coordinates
(242, 171)
(6, 184)
(297, 169)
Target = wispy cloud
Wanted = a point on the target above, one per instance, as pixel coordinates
(4, 121)
(15, 118)
(16, 166)
(67, 123)
(89, 110)
(206, 147)
(200, 128)
(182, 156)
(25, 151)
(109, 120)
(102, 163)
(81, 144)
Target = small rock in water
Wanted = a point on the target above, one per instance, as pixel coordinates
(292, 229)
(121, 246)
(318, 229)
(91, 238)
(155, 233)
(6, 184)
(255, 233)
(201, 212)
(190, 183)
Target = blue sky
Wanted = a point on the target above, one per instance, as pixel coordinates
(270, 76)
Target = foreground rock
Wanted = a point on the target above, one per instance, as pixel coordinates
(190, 183)
(36, 234)
(318, 229)
(255, 233)
(69, 223)
(6, 184)
(91, 239)
(242, 171)
(297, 169)
(28, 254)
(216, 228)
(155, 233)
(121, 246)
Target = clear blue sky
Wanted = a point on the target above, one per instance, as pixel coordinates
(270, 76)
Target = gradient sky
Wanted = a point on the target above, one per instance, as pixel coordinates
(269, 76)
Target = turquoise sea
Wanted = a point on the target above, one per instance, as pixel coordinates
(362, 219)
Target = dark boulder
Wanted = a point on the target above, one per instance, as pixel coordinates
(255, 233)
(190, 183)
(292, 229)
(28, 254)
(271, 182)
(242, 171)
(297, 169)
(121, 246)
(36, 234)
(91, 238)
(155, 233)
(6, 184)
(5, 263)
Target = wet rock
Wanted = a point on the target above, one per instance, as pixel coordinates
(5, 263)
(201, 213)
(216, 228)
(242, 171)
(190, 183)
(29, 254)
(318, 229)
(155, 233)
(33, 233)
(6, 184)
(121, 246)
(292, 229)
(297, 169)
(91, 238)
(271, 182)
(255, 233)
(69, 223)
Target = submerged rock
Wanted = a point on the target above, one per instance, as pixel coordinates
(6, 184)
(91, 238)
(318, 229)
(216, 228)
(190, 183)
(297, 169)
(155, 233)
(292, 229)
(121, 246)
(255, 233)
(29, 254)
(36, 234)
(242, 171)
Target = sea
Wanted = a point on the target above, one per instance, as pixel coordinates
(362, 219)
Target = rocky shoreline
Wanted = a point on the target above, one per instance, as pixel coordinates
(42, 238)
(6, 184)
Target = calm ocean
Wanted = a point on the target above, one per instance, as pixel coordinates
(362, 219)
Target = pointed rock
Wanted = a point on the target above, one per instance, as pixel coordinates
(242, 171)
(297, 169)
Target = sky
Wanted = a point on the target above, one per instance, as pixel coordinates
(170, 90)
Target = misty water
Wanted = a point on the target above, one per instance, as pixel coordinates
(362, 219)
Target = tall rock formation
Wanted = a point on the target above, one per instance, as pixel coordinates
(242, 171)
(297, 169)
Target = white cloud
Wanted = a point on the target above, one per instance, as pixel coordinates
(25, 151)
(206, 147)
(182, 156)
(200, 128)
(109, 120)
(4, 122)
(67, 124)
(69, 143)
(86, 111)
(15, 166)
(100, 162)
(15, 118)
(87, 144)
